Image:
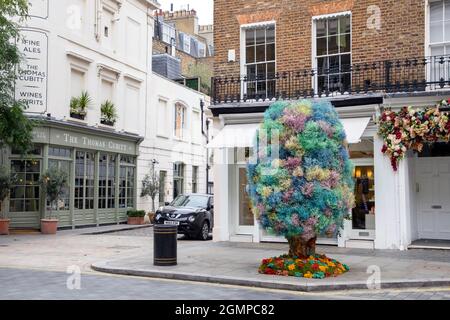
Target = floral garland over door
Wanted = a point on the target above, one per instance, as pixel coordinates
(410, 129)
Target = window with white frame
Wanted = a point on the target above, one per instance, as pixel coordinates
(260, 61)
(168, 33)
(107, 26)
(77, 82)
(333, 52)
(185, 42)
(179, 120)
(439, 35)
(194, 179)
(201, 50)
(163, 118)
(196, 127)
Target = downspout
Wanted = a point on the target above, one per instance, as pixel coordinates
(97, 20)
(206, 135)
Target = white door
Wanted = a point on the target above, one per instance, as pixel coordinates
(433, 198)
(245, 219)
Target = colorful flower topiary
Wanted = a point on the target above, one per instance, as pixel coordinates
(306, 189)
(410, 128)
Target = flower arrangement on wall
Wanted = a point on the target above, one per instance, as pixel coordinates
(306, 190)
(410, 129)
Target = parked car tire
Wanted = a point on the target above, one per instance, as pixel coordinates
(204, 231)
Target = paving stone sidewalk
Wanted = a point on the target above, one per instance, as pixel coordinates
(237, 264)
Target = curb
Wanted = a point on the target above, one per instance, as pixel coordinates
(308, 287)
(117, 230)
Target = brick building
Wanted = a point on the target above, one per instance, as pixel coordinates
(362, 56)
(178, 33)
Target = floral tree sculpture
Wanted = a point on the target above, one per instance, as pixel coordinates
(304, 191)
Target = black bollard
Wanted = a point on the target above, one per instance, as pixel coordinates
(165, 245)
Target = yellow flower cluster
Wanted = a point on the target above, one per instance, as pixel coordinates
(293, 145)
(317, 173)
(298, 172)
(304, 107)
(286, 184)
(277, 163)
(266, 191)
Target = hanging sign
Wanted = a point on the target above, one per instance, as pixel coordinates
(32, 76)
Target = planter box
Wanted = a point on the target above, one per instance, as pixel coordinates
(78, 116)
(4, 227)
(108, 123)
(136, 221)
(49, 226)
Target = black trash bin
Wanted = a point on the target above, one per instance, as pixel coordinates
(165, 245)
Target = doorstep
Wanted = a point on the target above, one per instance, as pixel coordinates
(241, 238)
(360, 244)
(430, 244)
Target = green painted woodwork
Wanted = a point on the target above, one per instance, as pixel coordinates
(51, 136)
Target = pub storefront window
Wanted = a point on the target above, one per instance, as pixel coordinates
(84, 180)
(106, 183)
(25, 193)
(127, 182)
(64, 202)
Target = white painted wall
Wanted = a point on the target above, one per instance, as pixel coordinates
(392, 202)
(76, 40)
(72, 44)
(160, 142)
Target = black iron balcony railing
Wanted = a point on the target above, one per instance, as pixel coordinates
(389, 76)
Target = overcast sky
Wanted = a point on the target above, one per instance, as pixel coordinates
(204, 8)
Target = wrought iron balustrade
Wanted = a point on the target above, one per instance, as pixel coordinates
(388, 76)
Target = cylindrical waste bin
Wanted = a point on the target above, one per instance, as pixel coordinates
(165, 245)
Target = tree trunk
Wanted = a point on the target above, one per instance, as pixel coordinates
(300, 248)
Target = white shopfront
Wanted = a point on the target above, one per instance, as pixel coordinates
(232, 146)
(393, 209)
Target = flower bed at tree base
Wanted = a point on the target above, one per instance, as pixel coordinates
(316, 267)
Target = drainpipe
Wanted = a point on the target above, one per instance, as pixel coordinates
(97, 20)
(206, 135)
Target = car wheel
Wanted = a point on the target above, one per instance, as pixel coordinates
(204, 231)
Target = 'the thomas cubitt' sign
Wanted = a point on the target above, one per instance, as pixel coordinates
(31, 83)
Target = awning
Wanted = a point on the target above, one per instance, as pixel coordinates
(243, 135)
(354, 128)
(235, 135)
(332, 15)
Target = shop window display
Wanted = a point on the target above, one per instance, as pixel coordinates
(363, 215)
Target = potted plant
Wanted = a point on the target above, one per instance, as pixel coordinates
(53, 183)
(6, 182)
(109, 113)
(79, 105)
(150, 188)
(136, 217)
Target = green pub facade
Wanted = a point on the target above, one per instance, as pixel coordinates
(101, 165)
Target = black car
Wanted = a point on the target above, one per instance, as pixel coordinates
(192, 213)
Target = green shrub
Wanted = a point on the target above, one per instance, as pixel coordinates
(136, 213)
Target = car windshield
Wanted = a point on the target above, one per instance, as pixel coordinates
(191, 201)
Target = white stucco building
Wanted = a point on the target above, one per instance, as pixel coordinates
(104, 48)
(256, 65)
